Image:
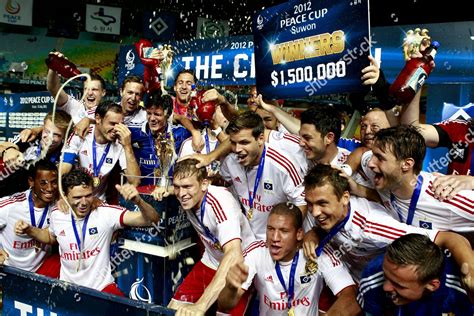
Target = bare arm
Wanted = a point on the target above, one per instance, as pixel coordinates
(42, 235)
(147, 214)
(233, 292)
(222, 150)
(53, 83)
(132, 170)
(197, 141)
(292, 124)
(346, 303)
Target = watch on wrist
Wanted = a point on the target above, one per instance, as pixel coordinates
(216, 131)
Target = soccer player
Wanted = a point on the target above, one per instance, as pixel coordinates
(224, 231)
(84, 234)
(280, 272)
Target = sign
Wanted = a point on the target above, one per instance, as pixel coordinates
(17, 12)
(103, 19)
(159, 26)
(304, 48)
(207, 28)
(226, 61)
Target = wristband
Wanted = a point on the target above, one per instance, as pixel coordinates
(10, 147)
(216, 131)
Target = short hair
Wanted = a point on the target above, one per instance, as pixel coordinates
(325, 119)
(96, 77)
(75, 178)
(322, 174)
(42, 165)
(164, 102)
(131, 78)
(404, 142)
(185, 71)
(61, 119)
(108, 106)
(420, 251)
(291, 210)
(187, 168)
(246, 120)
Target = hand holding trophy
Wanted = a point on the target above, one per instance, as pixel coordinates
(415, 42)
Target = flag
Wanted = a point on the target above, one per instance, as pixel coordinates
(103, 19)
(17, 12)
(159, 26)
(207, 28)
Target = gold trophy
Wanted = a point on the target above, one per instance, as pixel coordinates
(165, 151)
(413, 40)
(165, 65)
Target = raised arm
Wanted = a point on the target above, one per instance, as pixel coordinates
(42, 235)
(53, 83)
(292, 124)
(233, 292)
(147, 214)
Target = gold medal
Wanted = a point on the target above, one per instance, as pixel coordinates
(291, 311)
(95, 182)
(250, 213)
(311, 267)
(217, 246)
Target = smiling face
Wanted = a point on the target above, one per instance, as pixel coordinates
(182, 87)
(325, 206)
(106, 125)
(283, 237)
(247, 148)
(131, 94)
(189, 191)
(313, 143)
(93, 92)
(370, 124)
(57, 134)
(156, 118)
(387, 169)
(44, 187)
(80, 198)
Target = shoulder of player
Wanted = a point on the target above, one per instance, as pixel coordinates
(255, 247)
(14, 198)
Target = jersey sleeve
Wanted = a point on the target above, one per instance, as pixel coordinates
(71, 150)
(186, 148)
(114, 216)
(51, 222)
(224, 170)
(253, 254)
(334, 272)
(74, 108)
(371, 296)
(227, 217)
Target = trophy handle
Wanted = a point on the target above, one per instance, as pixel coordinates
(165, 65)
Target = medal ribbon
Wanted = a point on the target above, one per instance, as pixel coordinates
(94, 157)
(76, 234)
(257, 177)
(333, 232)
(201, 222)
(413, 201)
(32, 212)
(290, 292)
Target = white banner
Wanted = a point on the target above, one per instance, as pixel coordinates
(207, 28)
(103, 19)
(18, 12)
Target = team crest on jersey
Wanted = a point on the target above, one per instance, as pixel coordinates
(93, 231)
(108, 160)
(267, 185)
(278, 135)
(426, 225)
(305, 279)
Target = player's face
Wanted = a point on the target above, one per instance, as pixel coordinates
(107, 125)
(80, 198)
(325, 206)
(93, 92)
(131, 94)
(156, 118)
(247, 148)
(57, 134)
(312, 141)
(189, 191)
(370, 124)
(282, 237)
(182, 87)
(44, 187)
(269, 120)
(401, 283)
(388, 171)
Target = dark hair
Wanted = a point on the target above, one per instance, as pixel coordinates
(96, 77)
(321, 175)
(246, 120)
(185, 71)
(108, 106)
(404, 142)
(291, 210)
(187, 168)
(43, 164)
(420, 251)
(75, 178)
(164, 102)
(131, 78)
(325, 119)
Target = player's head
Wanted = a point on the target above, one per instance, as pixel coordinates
(131, 93)
(246, 137)
(107, 116)
(269, 120)
(94, 91)
(327, 195)
(56, 131)
(43, 181)
(77, 186)
(190, 183)
(284, 231)
(398, 152)
(412, 267)
(183, 83)
(370, 124)
(320, 128)
(158, 109)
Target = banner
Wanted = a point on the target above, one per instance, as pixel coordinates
(304, 48)
(226, 61)
(159, 26)
(207, 28)
(17, 12)
(103, 19)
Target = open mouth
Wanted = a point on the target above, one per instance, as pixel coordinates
(241, 157)
(378, 177)
(274, 250)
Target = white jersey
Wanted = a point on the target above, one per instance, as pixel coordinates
(225, 221)
(456, 214)
(77, 109)
(81, 149)
(364, 175)
(281, 181)
(367, 232)
(187, 146)
(95, 270)
(136, 119)
(307, 287)
(23, 251)
(290, 144)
